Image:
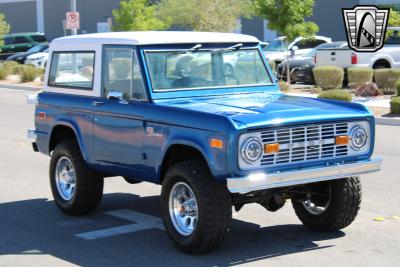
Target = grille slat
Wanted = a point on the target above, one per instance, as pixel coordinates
(301, 144)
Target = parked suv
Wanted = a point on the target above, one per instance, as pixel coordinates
(161, 107)
(19, 42)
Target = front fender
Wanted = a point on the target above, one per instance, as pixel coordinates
(199, 140)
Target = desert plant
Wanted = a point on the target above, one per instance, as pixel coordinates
(272, 65)
(386, 80)
(28, 73)
(315, 90)
(328, 77)
(336, 94)
(17, 69)
(284, 86)
(358, 76)
(395, 105)
(398, 87)
(4, 72)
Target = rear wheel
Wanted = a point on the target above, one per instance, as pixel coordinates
(76, 189)
(329, 206)
(196, 210)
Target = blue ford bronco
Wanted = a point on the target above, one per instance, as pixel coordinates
(200, 114)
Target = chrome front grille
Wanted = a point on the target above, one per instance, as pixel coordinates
(300, 144)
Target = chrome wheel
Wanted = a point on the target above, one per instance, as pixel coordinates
(65, 178)
(183, 209)
(317, 204)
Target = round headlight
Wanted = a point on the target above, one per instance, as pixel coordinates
(252, 150)
(358, 137)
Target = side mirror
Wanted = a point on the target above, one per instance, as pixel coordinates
(294, 48)
(114, 95)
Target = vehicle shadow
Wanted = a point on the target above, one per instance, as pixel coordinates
(37, 227)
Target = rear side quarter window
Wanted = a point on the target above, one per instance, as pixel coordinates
(72, 70)
(20, 40)
(39, 38)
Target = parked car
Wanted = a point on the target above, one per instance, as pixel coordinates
(22, 56)
(137, 105)
(387, 57)
(38, 59)
(301, 67)
(19, 42)
(276, 51)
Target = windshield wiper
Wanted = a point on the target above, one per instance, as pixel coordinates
(191, 50)
(231, 48)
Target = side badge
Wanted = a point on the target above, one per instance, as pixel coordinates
(150, 132)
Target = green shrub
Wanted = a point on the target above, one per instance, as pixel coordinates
(395, 105)
(284, 86)
(272, 65)
(28, 73)
(386, 80)
(10, 65)
(336, 94)
(4, 72)
(328, 77)
(315, 90)
(398, 87)
(358, 76)
(17, 69)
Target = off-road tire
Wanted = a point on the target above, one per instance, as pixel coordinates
(89, 185)
(214, 207)
(342, 210)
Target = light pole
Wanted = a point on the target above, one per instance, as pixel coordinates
(73, 9)
(39, 16)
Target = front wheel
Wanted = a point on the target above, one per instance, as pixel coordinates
(196, 210)
(76, 189)
(329, 206)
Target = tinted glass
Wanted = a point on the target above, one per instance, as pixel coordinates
(73, 69)
(38, 48)
(276, 45)
(122, 74)
(20, 40)
(39, 38)
(8, 41)
(309, 43)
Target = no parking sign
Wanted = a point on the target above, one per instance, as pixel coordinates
(73, 20)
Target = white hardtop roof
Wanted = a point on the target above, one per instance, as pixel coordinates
(155, 37)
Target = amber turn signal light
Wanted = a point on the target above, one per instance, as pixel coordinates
(216, 143)
(271, 148)
(342, 140)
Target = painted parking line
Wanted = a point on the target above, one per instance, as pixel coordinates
(141, 222)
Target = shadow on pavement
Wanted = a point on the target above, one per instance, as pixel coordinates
(36, 226)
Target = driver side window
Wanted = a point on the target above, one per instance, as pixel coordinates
(122, 74)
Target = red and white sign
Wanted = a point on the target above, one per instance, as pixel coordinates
(73, 20)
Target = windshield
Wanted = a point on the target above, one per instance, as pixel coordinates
(37, 48)
(276, 45)
(175, 70)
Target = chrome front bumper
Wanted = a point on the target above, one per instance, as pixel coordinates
(260, 181)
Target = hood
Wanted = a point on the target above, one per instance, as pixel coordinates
(19, 55)
(262, 109)
(37, 55)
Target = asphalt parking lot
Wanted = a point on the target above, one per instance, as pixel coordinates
(126, 229)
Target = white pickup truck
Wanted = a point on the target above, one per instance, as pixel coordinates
(343, 56)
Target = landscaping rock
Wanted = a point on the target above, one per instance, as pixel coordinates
(369, 89)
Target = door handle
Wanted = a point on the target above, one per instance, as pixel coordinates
(97, 103)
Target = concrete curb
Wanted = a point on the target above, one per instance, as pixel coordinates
(387, 121)
(19, 87)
